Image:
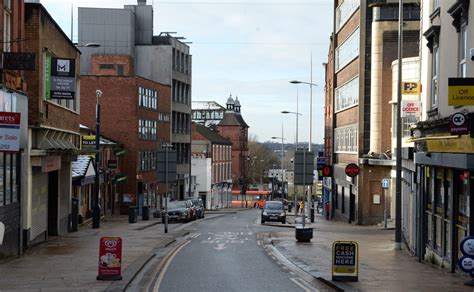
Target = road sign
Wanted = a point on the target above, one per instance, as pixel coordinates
(345, 261)
(304, 165)
(385, 183)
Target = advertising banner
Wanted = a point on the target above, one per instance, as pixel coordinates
(63, 78)
(110, 258)
(410, 108)
(88, 142)
(9, 132)
(345, 261)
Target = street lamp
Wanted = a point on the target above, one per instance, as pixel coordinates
(296, 148)
(311, 84)
(96, 207)
(282, 157)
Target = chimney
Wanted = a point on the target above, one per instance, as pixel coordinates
(141, 2)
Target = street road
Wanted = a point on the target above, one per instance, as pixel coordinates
(223, 254)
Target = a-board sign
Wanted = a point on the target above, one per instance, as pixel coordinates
(110, 259)
(345, 261)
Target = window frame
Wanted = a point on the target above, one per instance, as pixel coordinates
(462, 51)
(434, 94)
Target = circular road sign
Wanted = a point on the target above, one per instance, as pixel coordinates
(466, 264)
(467, 246)
(352, 170)
(458, 119)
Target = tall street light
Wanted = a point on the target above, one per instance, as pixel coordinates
(296, 148)
(282, 157)
(96, 207)
(311, 84)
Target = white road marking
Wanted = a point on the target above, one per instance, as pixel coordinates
(220, 246)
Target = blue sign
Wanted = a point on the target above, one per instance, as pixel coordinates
(466, 262)
(385, 183)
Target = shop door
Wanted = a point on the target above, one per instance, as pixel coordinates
(53, 200)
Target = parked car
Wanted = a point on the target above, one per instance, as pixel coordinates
(273, 211)
(198, 207)
(179, 211)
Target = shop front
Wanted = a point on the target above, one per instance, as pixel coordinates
(445, 184)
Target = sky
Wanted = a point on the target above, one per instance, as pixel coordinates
(247, 48)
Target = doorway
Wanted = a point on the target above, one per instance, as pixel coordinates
(53, 203)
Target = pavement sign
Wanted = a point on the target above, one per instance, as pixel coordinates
(110, 259)
(345, 261)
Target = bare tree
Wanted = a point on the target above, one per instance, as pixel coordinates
(261, 159)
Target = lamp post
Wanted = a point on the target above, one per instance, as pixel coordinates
(282, 157)
(96, 207)
(311, 84)
(295, 201)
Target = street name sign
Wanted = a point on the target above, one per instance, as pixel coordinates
(345, 261)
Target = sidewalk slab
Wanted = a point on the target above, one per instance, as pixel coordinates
(381, 268)
(70, 262)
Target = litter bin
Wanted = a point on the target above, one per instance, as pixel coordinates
(145, 213)
(132, 214)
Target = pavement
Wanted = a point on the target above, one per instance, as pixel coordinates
(70, 262)
(381, 268)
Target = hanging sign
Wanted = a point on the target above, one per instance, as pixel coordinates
(110, 259)
(352, 170)
(345, 261)
(458, 124)
(9, 132)
(411, 88)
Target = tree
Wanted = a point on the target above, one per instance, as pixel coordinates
(261, 159)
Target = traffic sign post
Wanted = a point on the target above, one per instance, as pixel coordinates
(466, 262)
(385, 186)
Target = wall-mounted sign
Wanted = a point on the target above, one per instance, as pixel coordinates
(345, 261)
(385, 183)
(460, 91)
(60, 78)
(410, 108)
(411, 88)
(352, 170)
(88, 142)
(9, 132)
(458, 124)
(110, 259)
(327, 171)
(19, 61)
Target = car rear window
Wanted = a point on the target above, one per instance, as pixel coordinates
(273, 206)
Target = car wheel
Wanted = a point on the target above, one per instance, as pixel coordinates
(283, 221)
(262, 221)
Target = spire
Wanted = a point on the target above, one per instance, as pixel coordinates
(237, 104)
(230, 103)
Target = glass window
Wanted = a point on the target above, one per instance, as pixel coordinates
(462, 51)
(346, 139)
(348, 50)
(348, 94)
(436, 4)
(435, 77)
(344, 11)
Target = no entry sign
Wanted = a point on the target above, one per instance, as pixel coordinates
(110, 259)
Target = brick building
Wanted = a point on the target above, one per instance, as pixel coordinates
(135, 112)
(53, 127)
(328, 121)
(212, 166)
(365, 45)
(12, 99)
(233, 127)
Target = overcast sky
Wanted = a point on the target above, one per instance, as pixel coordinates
(250, 48)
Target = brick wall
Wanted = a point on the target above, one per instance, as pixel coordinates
(43, 34)
(113, 61)
(119, 118)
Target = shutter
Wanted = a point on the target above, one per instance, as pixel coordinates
(39, 203)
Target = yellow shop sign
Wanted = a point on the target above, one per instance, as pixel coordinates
(464, 144)
(411, 88)
(460, 91)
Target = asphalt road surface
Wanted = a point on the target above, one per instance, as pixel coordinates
(224, 254)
